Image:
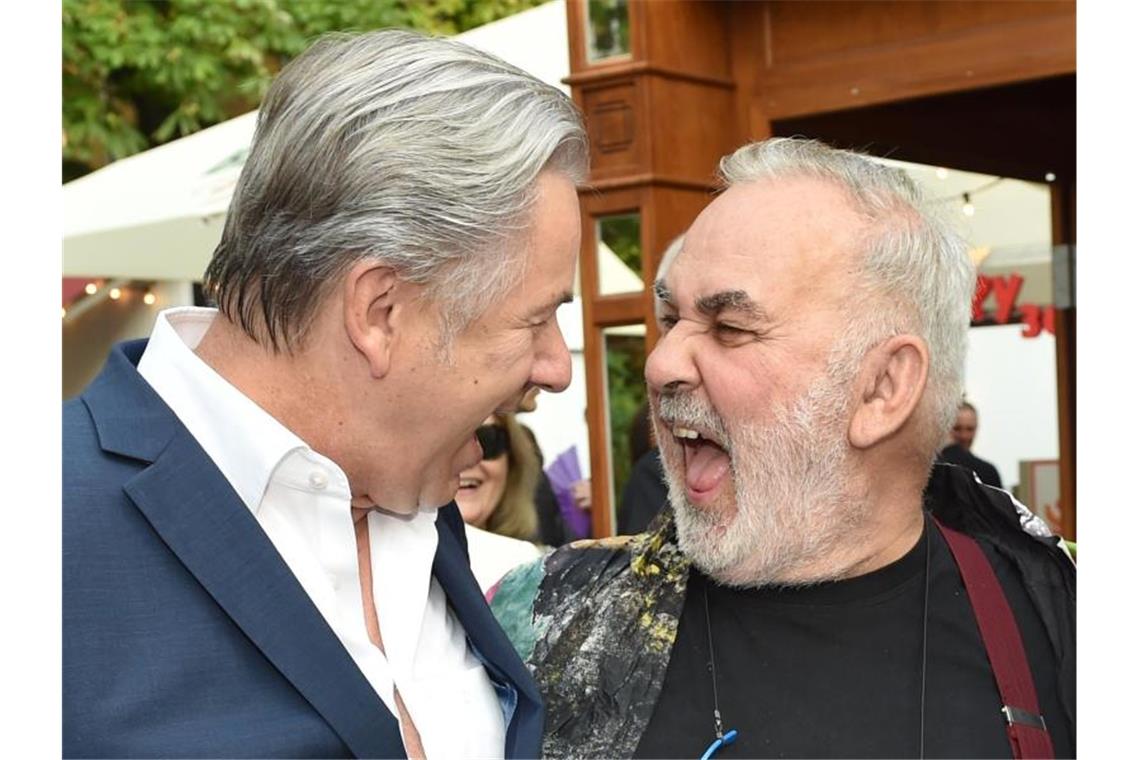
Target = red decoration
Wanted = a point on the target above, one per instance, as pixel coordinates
(1005, 289)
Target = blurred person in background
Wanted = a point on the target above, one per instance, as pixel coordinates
(496, 499)
(261, 555)
(962, 441)
(645, 493)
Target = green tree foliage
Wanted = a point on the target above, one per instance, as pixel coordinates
(137, 74)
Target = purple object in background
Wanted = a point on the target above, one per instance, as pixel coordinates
(564, 472)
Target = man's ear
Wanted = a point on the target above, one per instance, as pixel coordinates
(890, 385)
(370, 289)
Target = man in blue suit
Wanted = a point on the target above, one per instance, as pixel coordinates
(261, 556)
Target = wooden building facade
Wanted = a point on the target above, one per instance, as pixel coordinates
(670, 86)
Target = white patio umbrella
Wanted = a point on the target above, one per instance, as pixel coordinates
(158, 215)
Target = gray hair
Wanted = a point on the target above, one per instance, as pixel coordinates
(420, 152)
(669, 255)
(915, 273)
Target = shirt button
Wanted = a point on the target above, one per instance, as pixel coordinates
(318, 480)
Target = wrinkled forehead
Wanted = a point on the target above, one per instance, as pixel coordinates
(772, 240)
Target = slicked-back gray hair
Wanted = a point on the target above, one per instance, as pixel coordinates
(420, 152)
(916, 274)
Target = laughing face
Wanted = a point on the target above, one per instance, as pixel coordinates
(750, 384)
(435, 403)
(482, 486)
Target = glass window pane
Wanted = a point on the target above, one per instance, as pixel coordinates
(607, 29)
(619, 254)
(625, 393)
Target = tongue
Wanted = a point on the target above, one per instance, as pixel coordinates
(705, 465)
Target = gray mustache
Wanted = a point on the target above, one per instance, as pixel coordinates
(688, 411)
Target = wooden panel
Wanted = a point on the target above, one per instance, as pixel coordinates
(696, 126)
(623, 309)
(802, 31)
(748, 23)
(655, 180)
(691, 36)
(576, 33)
(1033, 47)
(618, 136)
(630, 68)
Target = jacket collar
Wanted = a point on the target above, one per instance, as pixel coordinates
(197, 513)
(130, 418)
(202, 520)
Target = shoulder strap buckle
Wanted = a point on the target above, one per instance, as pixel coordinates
(1015, 715)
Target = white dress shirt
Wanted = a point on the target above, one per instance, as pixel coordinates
(302, 501)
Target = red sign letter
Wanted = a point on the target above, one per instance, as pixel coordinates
(1006, 293)
(985, 284)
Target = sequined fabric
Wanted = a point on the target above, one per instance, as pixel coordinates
(601, 618)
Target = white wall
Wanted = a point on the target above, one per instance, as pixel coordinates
(1013, 383)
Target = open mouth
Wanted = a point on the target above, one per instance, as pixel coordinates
(707, 463)
(469, 484)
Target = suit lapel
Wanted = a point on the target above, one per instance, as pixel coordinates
(453, 572)
(198, 515)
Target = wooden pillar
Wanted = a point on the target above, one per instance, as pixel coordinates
(1064, 209)
(659, 119)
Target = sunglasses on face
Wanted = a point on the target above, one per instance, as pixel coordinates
(494, 440)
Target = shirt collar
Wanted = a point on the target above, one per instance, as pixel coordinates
(244, 441)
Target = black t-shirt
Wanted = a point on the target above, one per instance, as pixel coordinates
(834, 670)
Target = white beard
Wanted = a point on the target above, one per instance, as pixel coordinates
(794, 504)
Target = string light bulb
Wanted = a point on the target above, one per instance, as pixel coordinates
(90, 288)
(1050, 176)
(967, 207)
(115, 294)
(941, 173)
(149, 299)
(65, 312)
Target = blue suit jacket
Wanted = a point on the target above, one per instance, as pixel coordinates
(184, 632)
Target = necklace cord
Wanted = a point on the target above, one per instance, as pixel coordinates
(719, 726)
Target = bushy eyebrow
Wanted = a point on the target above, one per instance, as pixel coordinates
(731, 300)
(562, 298)
(661, 290)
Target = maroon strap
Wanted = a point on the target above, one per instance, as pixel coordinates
(1027, 732)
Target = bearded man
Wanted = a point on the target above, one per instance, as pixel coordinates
(803, 596)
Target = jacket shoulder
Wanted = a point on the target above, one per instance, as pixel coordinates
(573, 573)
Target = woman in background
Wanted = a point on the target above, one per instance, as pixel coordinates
(496, 499)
